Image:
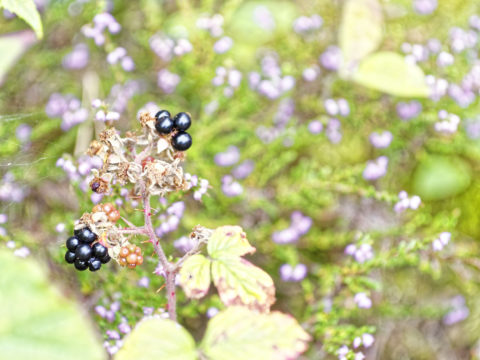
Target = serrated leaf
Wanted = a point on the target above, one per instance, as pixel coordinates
(12, 47)
(195, 276)
(389, 72)
(36, 321)
(239, 282)
(157, 338)
(360, 30)
(26, 10)
(228, 241)
(237, 334)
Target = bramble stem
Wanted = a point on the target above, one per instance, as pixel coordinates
(170, 270)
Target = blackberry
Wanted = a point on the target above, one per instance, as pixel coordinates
(181, 141)
(182, 121)
(164, 125)
(105, 259)
(83, 252)
(162, 114)
(80, 265)
(72, 243)
(70, 257)
(94, 264)
(99, 251)
(86, 235)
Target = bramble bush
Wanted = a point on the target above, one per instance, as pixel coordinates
(272, 179)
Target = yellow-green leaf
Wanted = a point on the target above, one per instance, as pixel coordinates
(360, 30)
(389, 72)
(156, 339)
(228, 241)
(195, 276)
(26, 10)
(12, 47)
(36, 321)
(239, 282)
(238, 333)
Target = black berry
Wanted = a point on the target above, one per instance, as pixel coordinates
(182, 121)
(94, 264)
(86, 235)
(161, 114)
(70, 257)
(182, 141)
(95, 186)
(81, 265)
(72, 243)
(105, 259)
(83, 252)
(164, 125)
(99, 251)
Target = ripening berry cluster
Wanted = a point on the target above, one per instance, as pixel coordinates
(112, 213)
(181, 140)
(131, 256)
(83, 253)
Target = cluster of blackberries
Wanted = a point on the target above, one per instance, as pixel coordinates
(182, 140)
(82, 254)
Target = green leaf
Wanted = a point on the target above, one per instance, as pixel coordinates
(228, 241)
(36, 321)
(360, 30)
(195, 276)
(157, 338)
(12, 47)
(389, 72)
(440, 177)
(26, 10)
(239, 282)
(237, 334)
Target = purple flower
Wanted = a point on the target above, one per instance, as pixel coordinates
(77, 58)
(294, 274)
(408, 110)
(124, 328)
(300, 225)
(230, 187)
(213, 24)
(113, 335)
(23, 132)
(404, 202)
(244, 169)
(361, 253)
(381, 140)
(443, 239)
(101, 311)
(375, 169)
(331, 59)
(184, 244)
(223, 45)
(211, 312)
(229, 157)
(144, 282)
(459, 311)
(448, 123)
(424, 7)
(315, 127)
(263, 18)
(333, 130)
(167, 81)
(311, 73)
(22, 252)
(303, 25)
(362, 300)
